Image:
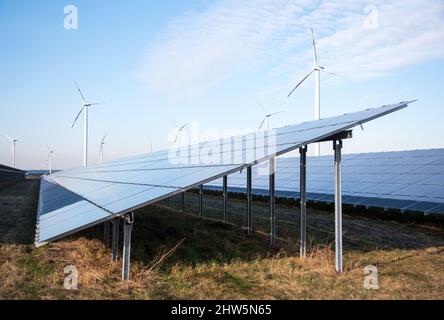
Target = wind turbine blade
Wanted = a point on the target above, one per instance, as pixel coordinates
(177, 136)
(16, 138)
(299, 83)
(95, 103)
(177, 127)
(315, 58)
(78, 115)
(262, 107)
(183, 126)
(335, 74)
(103, 139)
(275, 113)
(262, 123)
(7, 137)
(80, 92)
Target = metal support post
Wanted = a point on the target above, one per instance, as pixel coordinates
(183, 202)
(272, 201)
(249, 198)
(106, 232)
(337, 145)
(201, 201)
(225, 193)
(303, 198)
(127, 228)
(115, 239)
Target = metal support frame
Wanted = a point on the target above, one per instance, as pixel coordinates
(249, 205)
(225, 194)
(347, 134)
(272, 201)
(183, 202)
(115, 239)
(337, 146)
(106, 232)
(201, 201)
(303, 200)
(126, 253)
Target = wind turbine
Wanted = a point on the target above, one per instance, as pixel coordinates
(50, 153)
(267, 116)
(179, 133)
(85, 106)
(101, 148)
(13, 142)
(317, 70)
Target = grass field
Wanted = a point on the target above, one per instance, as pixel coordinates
(179, 256)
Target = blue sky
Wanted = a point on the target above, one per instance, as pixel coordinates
(211, 61)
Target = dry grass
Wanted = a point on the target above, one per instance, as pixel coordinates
(176, 256)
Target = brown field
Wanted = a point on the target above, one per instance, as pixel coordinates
(179, 256)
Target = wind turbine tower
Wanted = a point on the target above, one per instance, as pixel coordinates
(50, 153)
(179, 133)
(101, 148)
(13, 142)
(266, 119)
(317, 70)
(85, 106)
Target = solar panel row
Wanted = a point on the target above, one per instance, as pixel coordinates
(10, 173)
(121, 186)
(61, 212)
(406, 180)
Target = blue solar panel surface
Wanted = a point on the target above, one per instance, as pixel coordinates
(406, 180)
(125, 185)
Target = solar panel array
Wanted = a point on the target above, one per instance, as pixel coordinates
(10, 173)
(405, 180)
(122, 186)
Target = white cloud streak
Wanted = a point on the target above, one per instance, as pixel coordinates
(200, 50)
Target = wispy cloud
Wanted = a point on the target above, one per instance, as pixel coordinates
(202, 49)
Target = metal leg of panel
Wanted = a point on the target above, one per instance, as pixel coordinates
(337, 144)
(115, 239)
(127, 229)
(183, 202)
(249, 204)
(225, 194)
(201, 201)
(272, 202)
(303, 198)
(106, 232)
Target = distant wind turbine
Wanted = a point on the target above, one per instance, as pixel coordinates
(50, 153)
(179, 133)
(13, 142)
(101, 148)
(267, 116)
(85, 106)
(317, 70)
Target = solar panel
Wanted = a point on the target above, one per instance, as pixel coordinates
(406, 180)
(10, 173)
(121, 186)
(61, 212)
